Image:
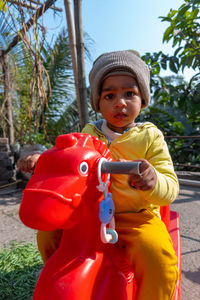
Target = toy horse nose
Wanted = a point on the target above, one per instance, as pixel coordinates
(65, 141)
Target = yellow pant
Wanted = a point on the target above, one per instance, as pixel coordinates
(148, 247)
(48, 242)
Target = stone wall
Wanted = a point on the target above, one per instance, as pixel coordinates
(6, 162)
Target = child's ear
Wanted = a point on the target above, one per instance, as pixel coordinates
(143, 103)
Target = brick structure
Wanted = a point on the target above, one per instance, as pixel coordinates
(6, 162)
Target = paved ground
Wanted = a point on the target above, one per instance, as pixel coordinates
(11, 227)
(187, 204)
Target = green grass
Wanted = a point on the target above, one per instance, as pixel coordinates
(19, 266)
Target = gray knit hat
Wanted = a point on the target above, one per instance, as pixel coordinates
(127, 61)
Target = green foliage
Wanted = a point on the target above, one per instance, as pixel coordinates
(58, 63)
(163, 119)
(19, 267)
(2, 6)
(68, 122)
(185, 151)
(21, 102)
(184, 33)
(39, 118)
(175, 103)
(61, 112)
(173, 123)
(28, 107)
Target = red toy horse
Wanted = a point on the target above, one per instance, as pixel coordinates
(64, 193)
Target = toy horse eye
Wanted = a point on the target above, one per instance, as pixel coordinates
(84, 167)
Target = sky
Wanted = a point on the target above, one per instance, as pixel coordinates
(124, 24)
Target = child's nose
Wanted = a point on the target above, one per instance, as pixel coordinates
(120, 101)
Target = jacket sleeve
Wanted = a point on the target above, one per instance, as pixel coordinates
(167, 187)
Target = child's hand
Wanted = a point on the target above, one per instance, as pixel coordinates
(147, 179)
(28, 162)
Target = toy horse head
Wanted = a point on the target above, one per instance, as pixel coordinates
(64, 175)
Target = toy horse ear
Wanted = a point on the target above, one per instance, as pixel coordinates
(65, 140)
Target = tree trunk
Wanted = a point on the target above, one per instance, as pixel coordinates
(7, 99)
(72, 34)
(72, 41)
(80, 64)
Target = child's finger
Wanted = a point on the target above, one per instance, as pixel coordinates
(146, 180)
(30, 163)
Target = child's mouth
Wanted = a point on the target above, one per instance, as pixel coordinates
(120, 116)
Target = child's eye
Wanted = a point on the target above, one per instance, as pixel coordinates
(109, 96)
(130, 94)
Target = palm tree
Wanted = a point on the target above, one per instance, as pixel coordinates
(62, 114)
(42, 81)
(58, 63)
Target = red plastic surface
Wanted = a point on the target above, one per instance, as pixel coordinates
(165, 215)
(62, 194)
(174, 231)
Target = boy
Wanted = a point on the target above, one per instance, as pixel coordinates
(120, 88)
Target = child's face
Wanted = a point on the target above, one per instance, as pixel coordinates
(120, 102)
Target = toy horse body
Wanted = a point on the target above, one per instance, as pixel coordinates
(63, 194)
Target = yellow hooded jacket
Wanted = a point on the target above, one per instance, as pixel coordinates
(143, 141)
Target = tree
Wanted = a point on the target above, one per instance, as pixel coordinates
(6, 36)
(184, 31)
(58, 63)
(175, 103)
(37, 90)
(31, 113)
(62, 115)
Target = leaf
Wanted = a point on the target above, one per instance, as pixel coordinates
(185, 61)
(172, 65)
(190, 61)
(177, 50)
(164, 19)
(175, 59)
(172, 13)
(2, 6)
(183, 10)
(194, 13)
(167, 33)
(164, 64)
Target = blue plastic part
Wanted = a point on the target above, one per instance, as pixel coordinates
(114, 235)
(106, 209)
